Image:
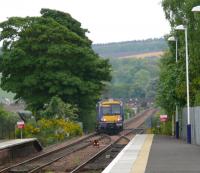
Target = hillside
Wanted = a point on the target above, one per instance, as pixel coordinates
(135, 68)
(131, 65)
(130, 48)
(144, 55)
(133, 78)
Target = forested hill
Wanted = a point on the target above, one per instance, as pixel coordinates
(128, 48)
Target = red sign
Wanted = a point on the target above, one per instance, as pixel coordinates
(163, 118)
(20, 124)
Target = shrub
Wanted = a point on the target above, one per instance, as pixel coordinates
(50, 131)
(8, 121)
(163, 128)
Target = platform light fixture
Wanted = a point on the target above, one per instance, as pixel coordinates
(184, 28)
(196, 9)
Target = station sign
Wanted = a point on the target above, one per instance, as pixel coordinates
(20, 124)
(163, 118)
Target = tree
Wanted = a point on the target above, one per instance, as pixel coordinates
(166, 94)
(152, 88)
(8, 122)
(50, 56)
(179, 12)
(57, 109)
(134, 78)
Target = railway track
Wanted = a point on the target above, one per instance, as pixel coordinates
(99, 161)
(38, 163)
(131, 129)
(138, 120)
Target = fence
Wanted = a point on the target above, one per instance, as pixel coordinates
(7, 125)
(195, 124)
(7, 131)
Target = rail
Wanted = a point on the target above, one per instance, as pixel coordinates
(136, 131)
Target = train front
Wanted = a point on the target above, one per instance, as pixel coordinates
(110, 116)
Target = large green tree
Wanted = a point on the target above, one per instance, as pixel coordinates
(172, 87)
(51, 55)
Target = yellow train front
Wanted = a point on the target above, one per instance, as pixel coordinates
(110, 116)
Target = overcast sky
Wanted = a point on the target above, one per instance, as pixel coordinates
(107, 20)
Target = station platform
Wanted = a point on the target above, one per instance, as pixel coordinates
(15, 142)
(156, 154)
(12, 149)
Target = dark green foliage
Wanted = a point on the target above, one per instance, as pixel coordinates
(8, 123)
(65, 20)
(51, 56)
(172, 80)
(166, 89)
(57, 109)
(134, 78)
(130, 47)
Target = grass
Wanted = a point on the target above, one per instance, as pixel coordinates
(144, 55)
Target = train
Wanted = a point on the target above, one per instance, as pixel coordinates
(110, 116)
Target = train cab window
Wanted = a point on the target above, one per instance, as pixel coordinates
(116, 109)
(111, 109)
(106, 110)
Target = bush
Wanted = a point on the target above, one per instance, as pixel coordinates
(50, 131)
(57, 109)
(163, 128)
(128, 112)
(8, 121)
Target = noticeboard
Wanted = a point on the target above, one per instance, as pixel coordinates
(163, 118)
(20, 124)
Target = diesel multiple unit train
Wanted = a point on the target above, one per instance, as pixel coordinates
(110, 116)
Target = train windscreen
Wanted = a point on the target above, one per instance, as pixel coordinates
(111, 109)
(116, 109)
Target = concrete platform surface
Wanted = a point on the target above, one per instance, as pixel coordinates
(169, 155)
(124, 161)
(18, 148)
(156, 154)
(14, 142)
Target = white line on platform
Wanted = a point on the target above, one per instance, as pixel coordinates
(125, 159)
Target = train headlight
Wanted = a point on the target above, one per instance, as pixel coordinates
(119, 118)
(103, 119)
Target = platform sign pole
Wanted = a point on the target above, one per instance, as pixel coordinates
(173, 125)
(164, 118)
(20, 125)
(21, 133)
(15, 131)
(164, 127)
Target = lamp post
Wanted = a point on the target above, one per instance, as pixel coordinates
(177, 122)
(184, 28)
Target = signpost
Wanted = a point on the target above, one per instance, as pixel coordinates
(163, 118)
(20, 125)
